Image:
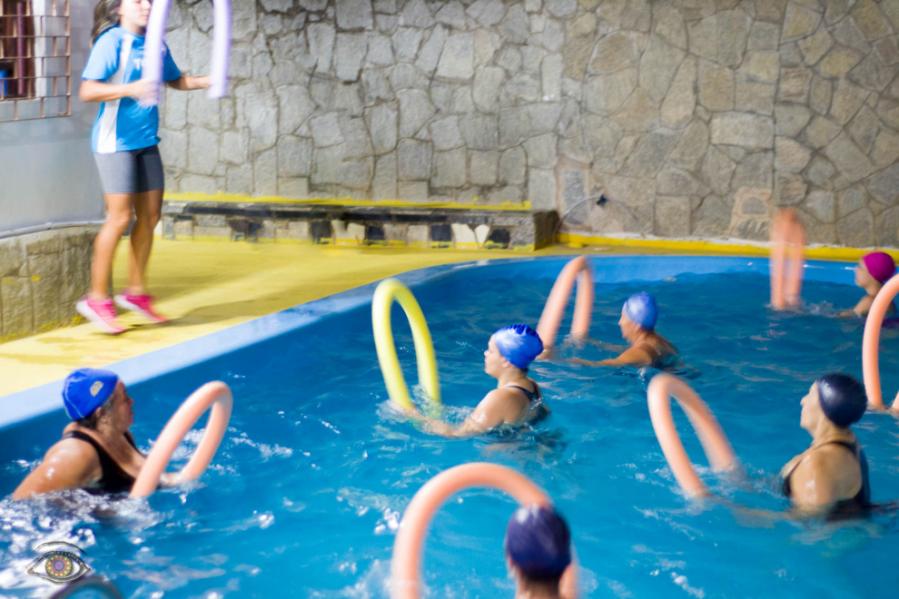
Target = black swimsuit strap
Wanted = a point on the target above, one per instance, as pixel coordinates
(531, 395)
(113, 478)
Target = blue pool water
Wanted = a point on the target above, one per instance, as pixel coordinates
(309, 484)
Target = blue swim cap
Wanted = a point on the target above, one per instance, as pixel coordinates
(86, 389)
(538, 542)
(842, 398)
(519, 344)
(641, 308)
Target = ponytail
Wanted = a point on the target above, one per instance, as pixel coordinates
(106, 16)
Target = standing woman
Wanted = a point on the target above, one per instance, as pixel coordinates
(123, 140)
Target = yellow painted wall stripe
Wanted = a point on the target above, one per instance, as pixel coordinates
(700, 246)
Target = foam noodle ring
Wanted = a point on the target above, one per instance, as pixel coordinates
(871, 344)
(221, 43)
(216, 395)
(407, 549)
(787, 243)
(714, 443)
(548, 327)
(385, 294)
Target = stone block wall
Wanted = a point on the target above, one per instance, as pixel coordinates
(676, 118)
(42, 275)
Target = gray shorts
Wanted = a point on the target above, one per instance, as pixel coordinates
(131, 171)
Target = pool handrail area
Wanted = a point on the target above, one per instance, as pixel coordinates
(405, 567)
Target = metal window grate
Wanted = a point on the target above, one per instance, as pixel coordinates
(35, 59)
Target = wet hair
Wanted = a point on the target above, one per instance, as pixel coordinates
(106, 16)
(842, 398)
(538, 543)
(91, 421)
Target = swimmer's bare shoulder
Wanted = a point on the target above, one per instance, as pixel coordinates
(503, 406)
(68, 464)
(824, 477)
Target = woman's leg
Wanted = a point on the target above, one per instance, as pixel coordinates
(118, 215)
(147, 206)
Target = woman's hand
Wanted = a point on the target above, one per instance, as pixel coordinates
(145, 92)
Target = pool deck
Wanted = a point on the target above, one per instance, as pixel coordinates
(207, 286)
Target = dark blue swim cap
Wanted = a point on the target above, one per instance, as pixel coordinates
(538, 542)
(641, 308)
(519, 344)
(86, 389)
(842, 398)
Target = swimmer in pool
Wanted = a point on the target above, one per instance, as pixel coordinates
(97, 452)
(538, 550)
(647, 348)
(516, 399)
(871, 272)
(831, 476)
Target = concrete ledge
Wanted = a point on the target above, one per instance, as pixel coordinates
(42, 275)
(354, 225)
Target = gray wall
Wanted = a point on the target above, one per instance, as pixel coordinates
(49, 177)
(693, 117)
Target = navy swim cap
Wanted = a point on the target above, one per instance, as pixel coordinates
(538, 542)
(519, 344)
(842, 398)
(642, 310)
(86, 389)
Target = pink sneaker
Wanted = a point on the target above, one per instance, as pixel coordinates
(142, 304)
(101, 313)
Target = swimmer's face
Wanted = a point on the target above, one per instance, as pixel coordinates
(862, 276)
(627, 326)
(811, 409)
(493, 360)
(122, 407)
(135, 12)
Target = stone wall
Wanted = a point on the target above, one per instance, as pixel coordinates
(674, 118)
(42, 275)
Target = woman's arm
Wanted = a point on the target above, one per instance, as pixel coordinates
(67, 465)
(862, 307)
(487, 415)
(633, 356)
(98, 91)
(187, 83)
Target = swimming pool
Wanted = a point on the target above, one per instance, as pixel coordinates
(309, 485)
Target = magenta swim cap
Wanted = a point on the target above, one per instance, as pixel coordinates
(880, 265)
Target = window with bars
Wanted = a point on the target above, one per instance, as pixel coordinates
(35, 59)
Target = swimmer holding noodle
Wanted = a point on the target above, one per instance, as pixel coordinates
(647, 348)
(516, 399)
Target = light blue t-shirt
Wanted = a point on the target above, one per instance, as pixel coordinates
(123, 124)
